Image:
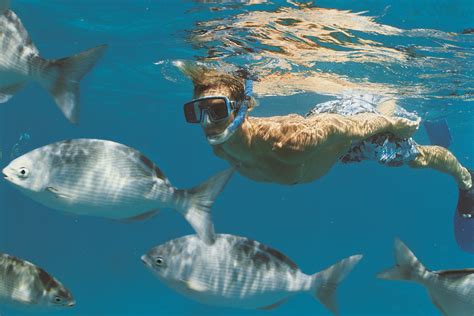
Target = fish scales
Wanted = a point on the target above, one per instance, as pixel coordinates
(258, 272)
(101, 173)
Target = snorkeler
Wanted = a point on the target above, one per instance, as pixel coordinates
(294, 149)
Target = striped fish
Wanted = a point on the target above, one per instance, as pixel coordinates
(25, 284)
(20, 62)
(451, 291)
(241, 273)
(106, 179)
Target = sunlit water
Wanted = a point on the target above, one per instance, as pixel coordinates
(419, 53)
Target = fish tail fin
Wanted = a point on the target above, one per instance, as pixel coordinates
(324, 284)
(61, 78)
(407, 267)
(197, 203)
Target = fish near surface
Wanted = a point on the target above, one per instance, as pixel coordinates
(106, 179)
(25, 284)
(238, 272)
(451, 291)
(20, 62)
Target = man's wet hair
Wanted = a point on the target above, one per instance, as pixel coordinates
(205, 77)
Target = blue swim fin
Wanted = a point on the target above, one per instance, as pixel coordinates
(438, 132)
(464, 219)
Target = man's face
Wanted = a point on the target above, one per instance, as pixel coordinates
(214, 128)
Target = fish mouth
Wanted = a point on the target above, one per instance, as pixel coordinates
(5, 176)
(71, 304)
(143, 259)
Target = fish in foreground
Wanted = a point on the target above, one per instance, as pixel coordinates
(25, 284)
(106, 179)
(241, 273)
(451, 291)
(20, 62)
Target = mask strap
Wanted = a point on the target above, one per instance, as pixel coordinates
(238, 120)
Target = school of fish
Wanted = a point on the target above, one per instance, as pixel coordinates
(102, 178)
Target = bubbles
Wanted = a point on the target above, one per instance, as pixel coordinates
(19, 148)
(170, 71)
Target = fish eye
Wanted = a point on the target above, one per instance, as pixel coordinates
(58, 299)
(23, 172)
(159, 261)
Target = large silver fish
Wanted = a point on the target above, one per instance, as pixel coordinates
(20, 62)
(241, 273)
(451, 291)
(25, 284)
(106, 179)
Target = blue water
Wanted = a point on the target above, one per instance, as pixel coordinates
(128, 98)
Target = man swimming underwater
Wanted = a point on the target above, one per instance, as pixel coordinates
(294, 149)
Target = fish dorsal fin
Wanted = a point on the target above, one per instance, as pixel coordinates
(274, 305)
(455, 274)
(4, 5)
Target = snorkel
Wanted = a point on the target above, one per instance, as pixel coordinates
(238, 120)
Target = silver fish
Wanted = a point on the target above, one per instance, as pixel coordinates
(20, 62)
(241, 273)
(106, 179)
(25, 284)
(451, 291)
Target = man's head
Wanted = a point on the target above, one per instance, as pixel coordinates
(219, 89)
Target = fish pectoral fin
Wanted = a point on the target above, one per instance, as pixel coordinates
(6, 93)
(57, 194)
(140, 217)
(195, 286)
(274, 305)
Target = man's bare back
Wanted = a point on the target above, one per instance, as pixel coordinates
(293, 149)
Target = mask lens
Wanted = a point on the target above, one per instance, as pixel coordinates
(217, 109)
(190, 113)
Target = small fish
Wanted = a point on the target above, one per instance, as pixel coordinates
(241, 273)
(25, 284)
(20, 62)
(105, 179)
(451, 291)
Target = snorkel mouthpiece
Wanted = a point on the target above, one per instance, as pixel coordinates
(238, 120)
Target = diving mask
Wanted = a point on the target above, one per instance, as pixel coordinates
(217, 107)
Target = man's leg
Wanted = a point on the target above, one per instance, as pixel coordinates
(443, 160)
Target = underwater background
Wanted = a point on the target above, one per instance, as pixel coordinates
(413, 51)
